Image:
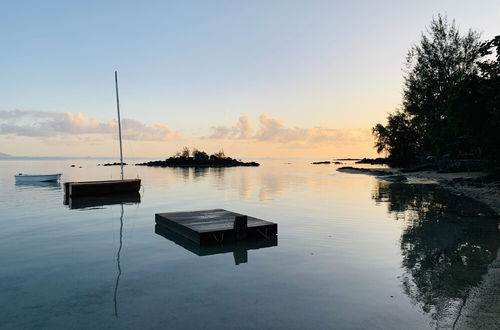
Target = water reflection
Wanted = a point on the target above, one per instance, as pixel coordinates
(248, 182)
(85, 203)
(199, 173)
(101, 201)
(446, 246)
(268, 182)
(184, 172)
(239, 249)
(51, 185)
(118, 265)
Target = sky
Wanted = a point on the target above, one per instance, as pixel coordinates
(255, 78)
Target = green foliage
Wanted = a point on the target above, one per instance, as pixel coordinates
(450, 98)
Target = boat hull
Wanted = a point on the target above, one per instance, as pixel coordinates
(95, 188)
(37, 177)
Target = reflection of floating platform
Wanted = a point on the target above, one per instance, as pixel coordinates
(216, 226)
(93, 202)
(239, 248)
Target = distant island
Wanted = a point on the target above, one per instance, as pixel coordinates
(2, 155)
(197, 158)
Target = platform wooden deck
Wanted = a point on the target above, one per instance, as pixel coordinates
(213, 226)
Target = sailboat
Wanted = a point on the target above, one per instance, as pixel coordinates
(93, 188)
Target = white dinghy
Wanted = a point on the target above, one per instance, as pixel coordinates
(37, 177)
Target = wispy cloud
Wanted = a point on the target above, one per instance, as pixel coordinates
(275, 130)
(48, 123)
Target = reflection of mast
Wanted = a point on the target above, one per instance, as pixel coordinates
(118, 261)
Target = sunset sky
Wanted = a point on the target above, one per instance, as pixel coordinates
(255, 78)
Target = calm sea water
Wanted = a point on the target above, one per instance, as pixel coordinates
(352, 252)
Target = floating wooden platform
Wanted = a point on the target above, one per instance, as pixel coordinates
(216, 226)
(94, 188)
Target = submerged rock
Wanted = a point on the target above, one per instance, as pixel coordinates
(350, 169)
(387, 175)
(395, 178)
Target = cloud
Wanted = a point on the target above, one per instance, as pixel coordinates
(135, 130)
(17, 114)
(37, 123)
(242, 130)
(275, 130)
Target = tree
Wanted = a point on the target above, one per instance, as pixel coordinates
(185, 152)
(444, 84)
(490, 97)
(441, 61)
(220, 155)
(397, 138)
(199, 155)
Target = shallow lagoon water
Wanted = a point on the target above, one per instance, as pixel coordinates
(352, 252)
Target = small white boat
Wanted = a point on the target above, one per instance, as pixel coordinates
(37, 177)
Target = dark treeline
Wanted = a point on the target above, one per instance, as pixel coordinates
(451, 99)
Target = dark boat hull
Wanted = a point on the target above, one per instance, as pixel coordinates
(94, 188)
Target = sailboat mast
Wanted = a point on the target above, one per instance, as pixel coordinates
(119, 123)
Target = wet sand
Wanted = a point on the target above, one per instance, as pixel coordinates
(482, 307)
